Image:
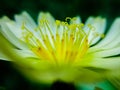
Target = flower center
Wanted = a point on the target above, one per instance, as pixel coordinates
(58, 42)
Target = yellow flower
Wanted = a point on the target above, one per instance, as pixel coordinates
(62, 50)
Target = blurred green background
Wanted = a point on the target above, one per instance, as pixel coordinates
(10, 79)
(62, 8)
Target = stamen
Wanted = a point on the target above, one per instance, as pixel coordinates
(92, 32)
(68, 44)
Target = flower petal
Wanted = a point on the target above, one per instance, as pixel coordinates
(113, 36)
(3, 57)
(5, 49)
(25, 18)
(109, 46)
(9, 53)
(12, 26)
(76, 20)
(113, 68)
(6, 32)
(112, 63)
(26, 53)
(99, 24)
(47, 25)
(50, 20)
(46, 16)
(105, 52)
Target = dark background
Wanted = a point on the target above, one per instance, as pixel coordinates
(10, 79)
(62, 8)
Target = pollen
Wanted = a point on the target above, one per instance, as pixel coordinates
(61, 42)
